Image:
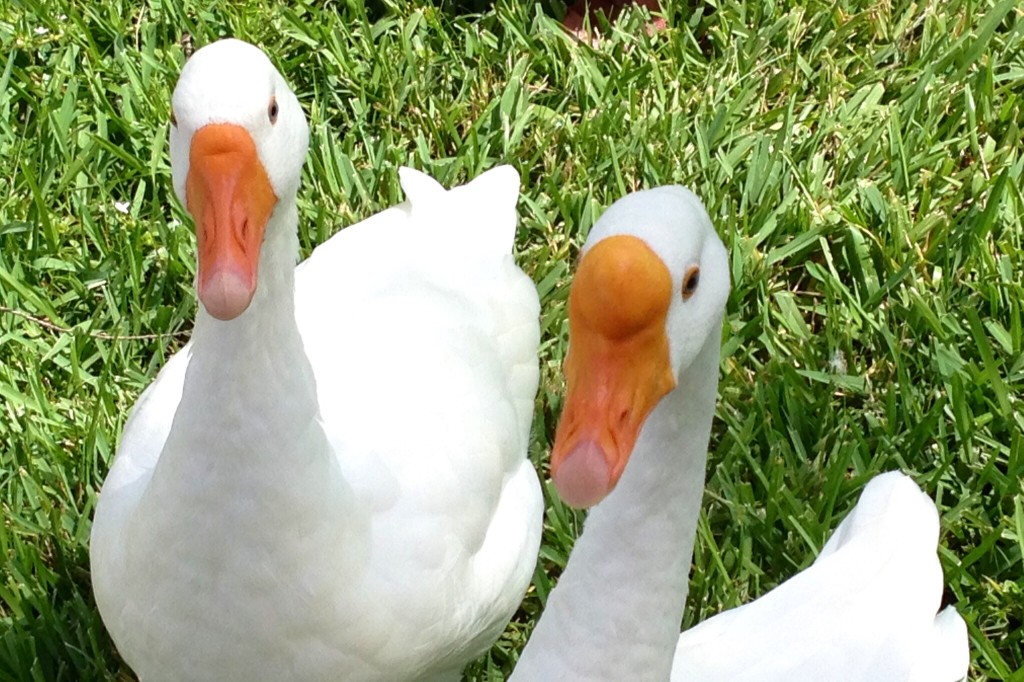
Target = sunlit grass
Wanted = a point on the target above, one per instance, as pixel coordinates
(862, 161)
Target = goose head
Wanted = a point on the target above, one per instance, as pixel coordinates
(238, 142)
(648, 294)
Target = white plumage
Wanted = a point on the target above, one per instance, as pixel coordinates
(333, 483)
(864, 612)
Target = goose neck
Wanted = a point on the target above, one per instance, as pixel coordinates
(616, 611)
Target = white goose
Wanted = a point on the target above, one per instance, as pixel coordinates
(330, 480)
(645, 316)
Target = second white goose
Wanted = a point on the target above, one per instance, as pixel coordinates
(645, 317)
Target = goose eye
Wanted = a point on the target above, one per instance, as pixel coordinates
(272, 110)
(174, 119)
(690, 282)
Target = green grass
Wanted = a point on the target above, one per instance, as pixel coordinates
(862, 161)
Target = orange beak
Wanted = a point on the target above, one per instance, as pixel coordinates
(617, 368)
(230, 197)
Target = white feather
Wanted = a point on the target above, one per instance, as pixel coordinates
(864, 612)
(334, 485)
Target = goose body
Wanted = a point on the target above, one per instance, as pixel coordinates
(330, 480)
(645, 316)
(864, 610)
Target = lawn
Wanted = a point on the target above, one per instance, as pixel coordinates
(862, 161)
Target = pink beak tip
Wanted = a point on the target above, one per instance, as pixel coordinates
(584, 477)
(226, 293)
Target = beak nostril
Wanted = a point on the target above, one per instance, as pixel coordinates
(242, 235)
